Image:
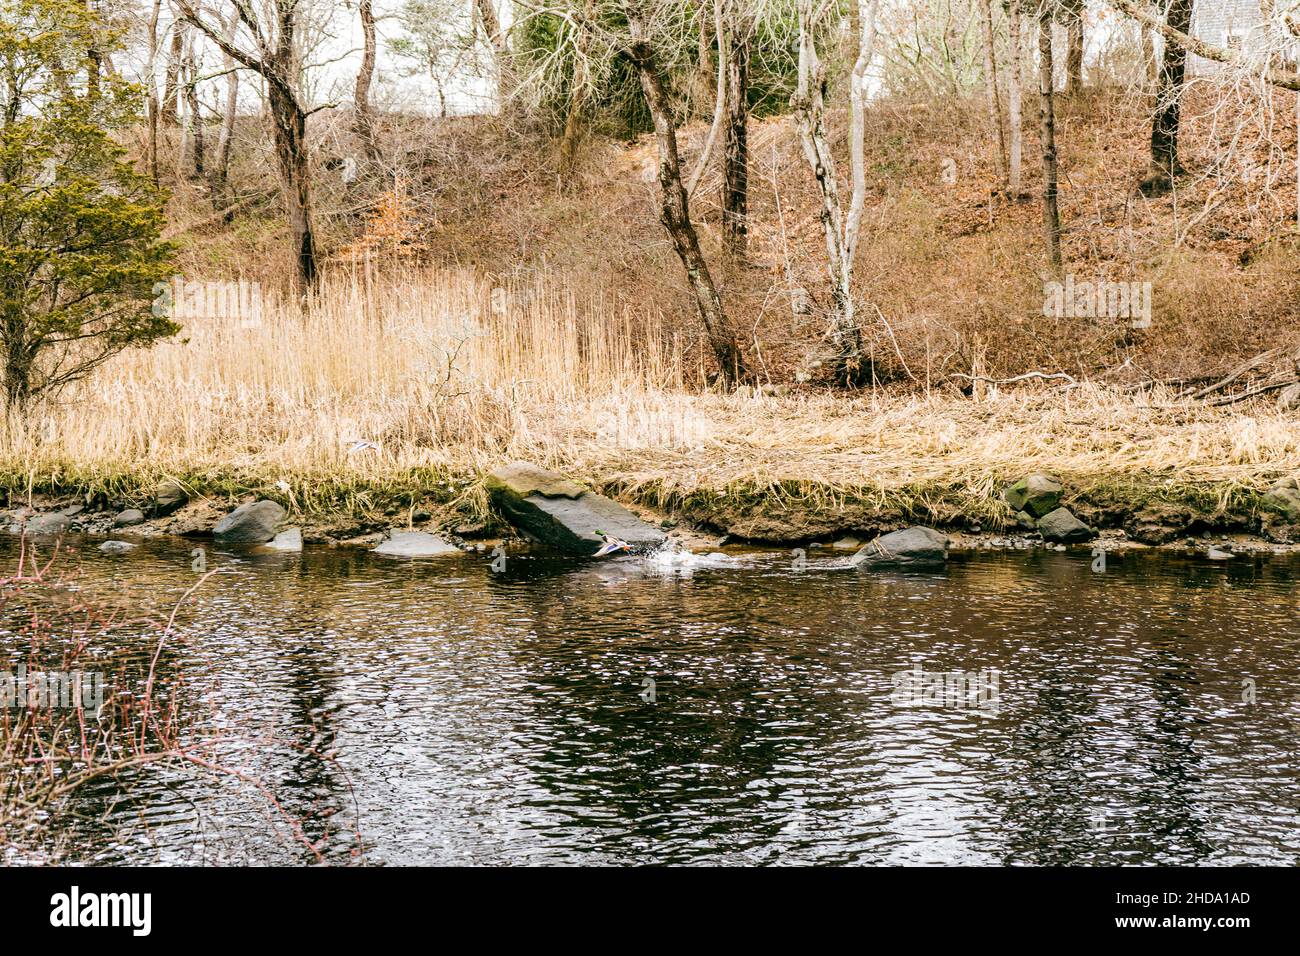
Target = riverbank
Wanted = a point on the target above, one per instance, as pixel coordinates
(751, 466)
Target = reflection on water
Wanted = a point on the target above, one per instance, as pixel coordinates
(476, 717)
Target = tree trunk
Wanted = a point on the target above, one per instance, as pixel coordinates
(705, 74)
(1169, 89)
(487, 12)
(290, 127)
(735, 147)
(809, 104)
(94, 65)
(151, 88)
(676, 217)
(1047, 133)
(363, 113)
(1015, 108)
(991, 85)
(221, 162)
(1074, 48)
(194, 120)
(572, 135)
(171, 87)
(1150, 67)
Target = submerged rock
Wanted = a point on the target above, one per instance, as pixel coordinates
(56, 523)
(1216, 554)
(1061, 525)
(415, 544)
(129, 517)
(912, 546)
(252, 523)
(1036, 494)
(287, 540)
(564, 514)
(116, 547)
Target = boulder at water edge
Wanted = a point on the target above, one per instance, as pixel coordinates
(562, 513)
(415, 544)
(287, 540)
(915, 546)
(253, 523)
(129, 517)
(1283, 499)
(1036, 494)
(168, 497)
(55, 523)
(1062, 525)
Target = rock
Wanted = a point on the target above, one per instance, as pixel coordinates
(415, 544)
(72, 510)
(1026, 520)
(1214, 554)
(252, 523)
(169, 496)
(129, 517)
(1036, 494)
(562, 513)
(1289, 397)
(1284, 501)
(116, 547)
(287, 540)
(912, 546)
(1061, 525)
(56, 523)
(848, 543)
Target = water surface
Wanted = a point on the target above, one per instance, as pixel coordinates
(468, 716)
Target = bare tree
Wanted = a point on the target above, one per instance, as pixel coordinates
(991, 87)
(1175, 28)
(735, 142)
(268, 44)
(220, 172)
(498, 39)
(675, 211)
(171, 83)
(364, 118)
(1047, 135)
(841, 229)
(1169, 89)
(1072, 13)
(193, 113)
(1015, 109)
(152, 104)
(579, 87)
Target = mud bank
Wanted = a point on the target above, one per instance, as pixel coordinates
(1153, 512)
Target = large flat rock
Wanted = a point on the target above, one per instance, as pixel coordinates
(562, 513)
(415, 544)
(917, 546)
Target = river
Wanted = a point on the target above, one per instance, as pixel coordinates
(748, 709)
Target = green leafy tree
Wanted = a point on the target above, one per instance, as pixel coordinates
(80, 230)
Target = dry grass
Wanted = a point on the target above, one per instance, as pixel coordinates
(449, 378)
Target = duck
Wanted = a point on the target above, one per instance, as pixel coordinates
(610, 545)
